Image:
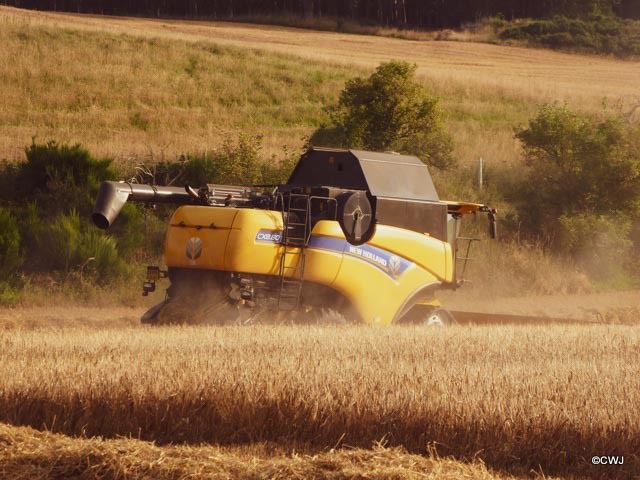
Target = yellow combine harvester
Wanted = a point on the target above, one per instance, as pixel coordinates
(359, 233)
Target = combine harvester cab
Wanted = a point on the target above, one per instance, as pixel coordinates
(360, 233)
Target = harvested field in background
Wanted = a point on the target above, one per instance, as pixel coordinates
(518, 398)
(144, 88)
(137, 98)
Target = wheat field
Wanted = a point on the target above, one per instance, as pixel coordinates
(34, 455)
(518, 399)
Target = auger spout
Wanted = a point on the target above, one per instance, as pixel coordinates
(113, 195)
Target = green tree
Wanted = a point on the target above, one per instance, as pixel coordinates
(578, 164)
(390, 111)
(581, 183)
(60, 175)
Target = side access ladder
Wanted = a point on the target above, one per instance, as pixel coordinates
(295, 239)
(459, 276)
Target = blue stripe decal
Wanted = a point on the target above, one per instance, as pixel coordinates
(391, 264)
(328, 243)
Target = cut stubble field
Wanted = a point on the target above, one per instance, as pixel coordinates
(518, 399)
(526, 71)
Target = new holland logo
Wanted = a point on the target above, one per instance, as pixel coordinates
(395, 265)
(194, 248)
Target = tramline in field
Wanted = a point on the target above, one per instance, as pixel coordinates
(352, 234)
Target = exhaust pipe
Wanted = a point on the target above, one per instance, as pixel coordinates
(113, 195)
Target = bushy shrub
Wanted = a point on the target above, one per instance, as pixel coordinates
(584, 235)
(201, 169)
(581, 188)
(53, 193)
(10, 255)
(61, 174)
(600, 243)
(130, 229)
(278, 170)
(59, 241)
(577, 163)
(9, 294)
(31, 229)
(51, 196)
(560, 39)
(598, 33)
(8, 181)
(98, 254)
(390, 111)
(66, 244)
(237, 161)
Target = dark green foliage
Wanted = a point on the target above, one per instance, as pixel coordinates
(51, 195)
(60, 175)
(69, 243)
(10, 258)
(390, 111)
(59, 241)
(54, 163)
(581, 188)
(580, 164)
(31, 227)
(414, 14)
(276, 170)
(98, 254)
(594, 33)
(8, 181)
(235, 162)
(130, 230)
(590, 233)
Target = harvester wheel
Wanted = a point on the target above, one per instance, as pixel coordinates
(196, 298)
(329, 316)
(439, 318)
(150, 317)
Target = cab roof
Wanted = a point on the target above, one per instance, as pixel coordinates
(386, 175)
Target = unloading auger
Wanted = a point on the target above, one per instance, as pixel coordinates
(361, 234)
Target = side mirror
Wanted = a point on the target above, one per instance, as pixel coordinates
(493, 227)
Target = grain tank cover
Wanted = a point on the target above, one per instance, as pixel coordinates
(404, 193)
(386, 175)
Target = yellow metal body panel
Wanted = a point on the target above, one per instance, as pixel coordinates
(464, 207)
(211, 225)
(396, 268)
(379, 278)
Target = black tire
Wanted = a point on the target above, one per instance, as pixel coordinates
(150, 317)
(197, 297)
(439, 318)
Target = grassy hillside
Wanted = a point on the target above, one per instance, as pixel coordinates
(132, 88)
(516, 398)
(137, 98)
(133, 98)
